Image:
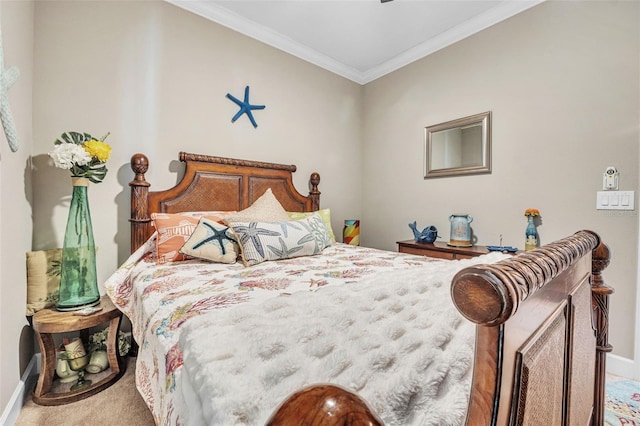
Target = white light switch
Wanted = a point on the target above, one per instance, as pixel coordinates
(615, 200)
(625, 200)
(604, 199)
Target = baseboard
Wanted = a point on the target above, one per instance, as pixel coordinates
(27, 382)
(621, 366)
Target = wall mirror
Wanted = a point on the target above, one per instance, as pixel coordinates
(458, 147)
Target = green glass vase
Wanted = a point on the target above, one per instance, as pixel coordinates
(78, 279)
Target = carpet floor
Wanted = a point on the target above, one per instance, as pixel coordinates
(622, 401)
(119, 404)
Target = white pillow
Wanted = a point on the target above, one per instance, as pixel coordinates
(267, 208)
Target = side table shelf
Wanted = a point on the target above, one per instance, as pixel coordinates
(46, 323)
(440, 250)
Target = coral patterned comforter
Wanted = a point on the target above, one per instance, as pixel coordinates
(160, 299)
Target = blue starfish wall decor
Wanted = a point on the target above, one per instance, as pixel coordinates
(245, 107)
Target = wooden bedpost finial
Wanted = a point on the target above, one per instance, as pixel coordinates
(324, 405)
(139, 165)
(600, 259)
(314, 194)
(315, 181)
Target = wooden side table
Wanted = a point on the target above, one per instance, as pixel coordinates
(440, 250)
(50, 321)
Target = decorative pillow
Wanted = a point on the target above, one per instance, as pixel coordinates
(267, 208)
(261, 241)
(325, 214)
(43, 279)
(212, 241)
(174, 229)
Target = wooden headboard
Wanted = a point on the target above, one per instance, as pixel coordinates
(214, 184)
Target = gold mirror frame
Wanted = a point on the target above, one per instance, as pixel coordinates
(471, 153)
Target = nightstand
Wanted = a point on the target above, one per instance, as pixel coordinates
(46, 323)
(440, 250)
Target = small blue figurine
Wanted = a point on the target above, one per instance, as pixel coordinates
(427, 236)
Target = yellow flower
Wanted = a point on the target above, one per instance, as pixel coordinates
(98, 149)
(532, 212)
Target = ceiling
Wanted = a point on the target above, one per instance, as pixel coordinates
(358, 39)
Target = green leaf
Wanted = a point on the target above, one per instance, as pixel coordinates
(73, 137)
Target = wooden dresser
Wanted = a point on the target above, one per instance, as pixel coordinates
(440, 250)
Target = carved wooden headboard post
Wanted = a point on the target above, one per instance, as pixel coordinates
(140, 219)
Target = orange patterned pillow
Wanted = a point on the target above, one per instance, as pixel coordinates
(174, 229)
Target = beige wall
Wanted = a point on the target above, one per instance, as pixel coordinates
(156, 77)
(16, 340)
(562, 81)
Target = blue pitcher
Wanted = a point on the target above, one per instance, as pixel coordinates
(460, 230)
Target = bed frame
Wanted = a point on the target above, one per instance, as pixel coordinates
(542, 315)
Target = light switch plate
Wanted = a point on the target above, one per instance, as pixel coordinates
(615, 200)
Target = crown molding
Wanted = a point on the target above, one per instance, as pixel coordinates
(266, 35)
(447, 38)
(224, 17)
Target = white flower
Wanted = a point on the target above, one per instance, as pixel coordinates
(65, 155)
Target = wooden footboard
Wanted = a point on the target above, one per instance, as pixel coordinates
(541, 335)
(541, 338)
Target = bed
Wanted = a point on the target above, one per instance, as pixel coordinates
(494, 340)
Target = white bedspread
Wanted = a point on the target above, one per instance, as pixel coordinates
(161, 299)
(397, 341)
